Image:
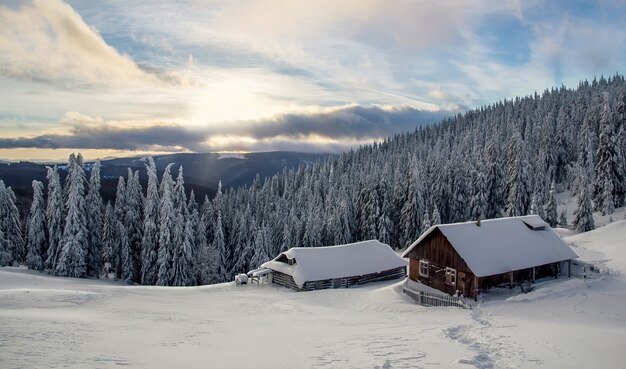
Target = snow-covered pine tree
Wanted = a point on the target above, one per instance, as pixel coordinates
(54, 217)
(551, 209)
(109, 240)
(167, 229)
(94, 222)
(73, 258)
(150, 240)
(608, 187)
(36, 229)
(583, 215)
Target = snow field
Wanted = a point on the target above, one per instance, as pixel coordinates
(76, 323)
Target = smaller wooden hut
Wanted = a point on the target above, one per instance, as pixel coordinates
(470, 257)
(314, 268)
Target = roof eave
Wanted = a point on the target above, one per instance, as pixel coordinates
(420, 239)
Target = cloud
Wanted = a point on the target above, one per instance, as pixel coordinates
(326, 130)
(46, 40)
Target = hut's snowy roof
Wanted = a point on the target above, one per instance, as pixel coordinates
(504, 244)
(320, 263)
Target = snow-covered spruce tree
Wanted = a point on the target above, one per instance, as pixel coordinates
(551, 210)
(73, 257)
(479, 199)
(167, 228)
(54, 217)
(134, 221)
(385, 225)
(243, 241)
(220, 248)
(583, 215)
(201, 252)
(94, 222)
(563, 218)
(126, 265)
(5, 255)
(436, 218)
(183, 257)
(608, 187)
(534, 206)
(340, 221)
(10, 224)
(120, 215)
(517, 176)
(260, 247)
(426, 222)
(372, 215)
(109, 240)
(409, 214)
(149, 242)
(541, 211)
(493, 185)
(207, 225)
(14, 231)
(36, 229)
(180, 199)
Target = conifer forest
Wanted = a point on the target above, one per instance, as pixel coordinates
(506, 159)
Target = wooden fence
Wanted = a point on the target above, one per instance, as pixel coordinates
(430, 298)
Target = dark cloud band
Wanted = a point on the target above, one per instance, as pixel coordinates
(350, 124)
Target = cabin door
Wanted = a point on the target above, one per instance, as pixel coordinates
(460, 282)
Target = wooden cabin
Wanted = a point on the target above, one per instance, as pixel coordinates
(314, 268)
(471, 257)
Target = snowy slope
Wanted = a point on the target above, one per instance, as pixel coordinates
(61, 322)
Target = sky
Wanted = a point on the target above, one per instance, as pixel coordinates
(119, 78)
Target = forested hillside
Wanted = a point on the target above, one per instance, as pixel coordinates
(506, 159)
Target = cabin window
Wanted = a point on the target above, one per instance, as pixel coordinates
(424, 268)
(451, 276)
(292, 261)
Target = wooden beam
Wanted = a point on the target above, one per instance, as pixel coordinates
(475, 288)
(510, 280)
(569, 268)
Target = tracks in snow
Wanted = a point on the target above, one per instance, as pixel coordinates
(492, 343)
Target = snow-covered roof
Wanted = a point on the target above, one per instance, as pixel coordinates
(320, 263)
(503, 245)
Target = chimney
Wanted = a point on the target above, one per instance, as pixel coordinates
(478, 221)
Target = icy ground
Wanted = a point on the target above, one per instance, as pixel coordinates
(60, 322)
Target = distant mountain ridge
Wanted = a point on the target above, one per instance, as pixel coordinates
(203, 171)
